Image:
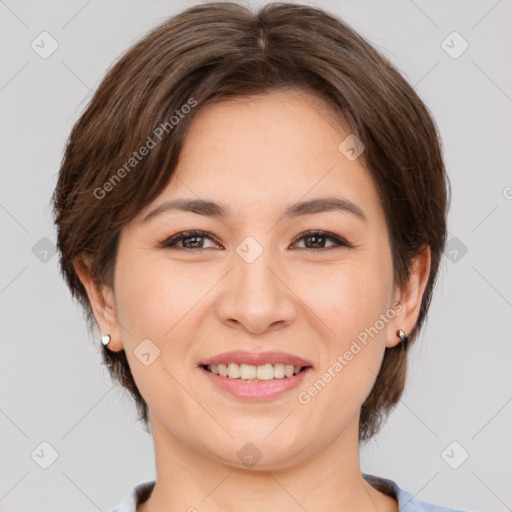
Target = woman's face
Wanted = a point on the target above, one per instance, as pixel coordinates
(254, 285)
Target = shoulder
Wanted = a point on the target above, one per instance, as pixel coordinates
(406, 501)
(138, 494)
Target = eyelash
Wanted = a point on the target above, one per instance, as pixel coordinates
(171, 242)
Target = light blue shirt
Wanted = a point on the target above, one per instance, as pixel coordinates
(406, 501)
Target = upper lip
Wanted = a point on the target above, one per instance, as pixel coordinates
(255, 358)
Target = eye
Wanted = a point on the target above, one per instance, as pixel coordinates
(191, 239)
(194, 239)
(318, 238)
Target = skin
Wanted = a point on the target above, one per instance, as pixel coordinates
(257, 156)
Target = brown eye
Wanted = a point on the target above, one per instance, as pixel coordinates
(317, 240)
(188, 239)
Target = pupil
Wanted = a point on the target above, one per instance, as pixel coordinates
(193, 238)
(315, 238)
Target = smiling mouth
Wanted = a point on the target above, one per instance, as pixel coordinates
(252, 373)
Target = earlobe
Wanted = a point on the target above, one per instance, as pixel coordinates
(102, 300)
(410, 297)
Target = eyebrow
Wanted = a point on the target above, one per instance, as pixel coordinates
(212, 209)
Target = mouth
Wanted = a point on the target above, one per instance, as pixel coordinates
(255, 376)
(252, 373)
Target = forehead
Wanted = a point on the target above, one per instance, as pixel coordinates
(268, 150)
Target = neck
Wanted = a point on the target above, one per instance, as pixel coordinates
(329, 479)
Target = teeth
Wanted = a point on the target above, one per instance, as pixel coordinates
(233, 371)
(265, 372)
(278, 371)
(251, 372)
(248, 371)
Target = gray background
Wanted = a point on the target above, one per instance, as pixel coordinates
(53, 387)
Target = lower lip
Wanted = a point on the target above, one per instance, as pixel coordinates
(257, 391)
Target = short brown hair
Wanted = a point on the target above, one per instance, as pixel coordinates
(218, 51)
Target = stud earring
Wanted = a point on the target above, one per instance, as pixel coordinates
(105, 339)
(401, 334)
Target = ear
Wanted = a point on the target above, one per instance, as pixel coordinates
(410, 297)
(102, 301)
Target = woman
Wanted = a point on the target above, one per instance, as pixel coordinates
(252, 210)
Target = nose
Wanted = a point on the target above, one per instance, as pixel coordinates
(255, 295)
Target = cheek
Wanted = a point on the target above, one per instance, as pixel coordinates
(352, 298)
(351, 306)
(155, 299)
(149, 297)
(151, 304)
(163, 302)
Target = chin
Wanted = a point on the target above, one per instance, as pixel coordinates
(255, 452)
